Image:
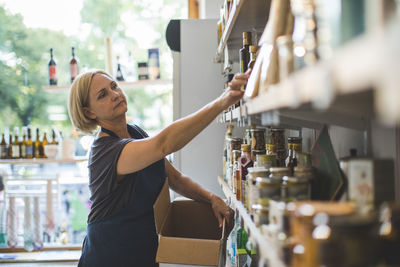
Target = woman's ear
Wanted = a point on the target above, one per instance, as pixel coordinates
(88, 113)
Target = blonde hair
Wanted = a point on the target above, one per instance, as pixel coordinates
(79, 99)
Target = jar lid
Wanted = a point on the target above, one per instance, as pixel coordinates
(265, 157)
(277, 130)
(259, 207)
(236, 139)
(257, 169)
(245, 148)
(303, 169)
(295, 179)
(296, 140)
(280, 170)
(257, 130)
(260, 181)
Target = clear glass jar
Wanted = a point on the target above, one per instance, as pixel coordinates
(265, 160)
(268, 189)
(253, 173)
(257, 139)
(295, 188)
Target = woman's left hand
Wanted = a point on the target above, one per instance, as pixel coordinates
(221, 211)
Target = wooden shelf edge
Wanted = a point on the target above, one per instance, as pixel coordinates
(268, 251)
(42, 161)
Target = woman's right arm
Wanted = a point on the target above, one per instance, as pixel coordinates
(139, 154)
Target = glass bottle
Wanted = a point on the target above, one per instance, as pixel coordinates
(52, 69)
(244, 53)
(226, 156)
(44, 143)
(16, 145)
(294, 146)
(253, 55)
(3, 147)
(245, 162)
(37, 145)
(120, 76)
(10, 147)
(73, 65)
(29, 145)
(22, 144)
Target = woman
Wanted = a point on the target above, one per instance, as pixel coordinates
(127, 169)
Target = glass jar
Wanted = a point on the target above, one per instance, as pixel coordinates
(261, 214)
(234, 143)
(266, 161)
(255, 152)
(295, 188)
(253, 173)
(247, 136)
(257, 139)
(303, 160)
(268, 188)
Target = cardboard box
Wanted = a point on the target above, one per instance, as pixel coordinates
(188, 231)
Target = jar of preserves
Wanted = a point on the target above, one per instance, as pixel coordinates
(266, 161)
(234, 143)
(295, 188)
(252, 195)
(268, 188)
(257, 139)
(255, 152)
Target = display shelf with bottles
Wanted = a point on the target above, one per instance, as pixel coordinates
(124, 85)
(267, 248)
(43, 160)
(242, 14)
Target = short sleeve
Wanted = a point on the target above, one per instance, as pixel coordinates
(103, 173)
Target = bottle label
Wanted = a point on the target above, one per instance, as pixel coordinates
(53, 72)
(23, 151)
(74, 70)
(3, 151)
(15, 151)
(29, 151)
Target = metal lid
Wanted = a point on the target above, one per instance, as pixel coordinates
(265, 181)
(295, 179)
(279, 170)
(296, 140)
(245, 147)
(253, 49)
(259, 207)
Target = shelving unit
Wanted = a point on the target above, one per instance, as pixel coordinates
(245, 12)
(124, 85)
(352, 88)
(266, 248)
(356, 89)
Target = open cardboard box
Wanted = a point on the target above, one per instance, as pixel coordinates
(188, 231)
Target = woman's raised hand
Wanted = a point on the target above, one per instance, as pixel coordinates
(234, 93)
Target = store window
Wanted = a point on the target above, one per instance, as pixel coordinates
(31, 98)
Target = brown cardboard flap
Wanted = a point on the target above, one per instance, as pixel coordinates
(161, 206)
(188, 251)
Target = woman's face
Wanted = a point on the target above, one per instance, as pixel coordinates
(107, 101)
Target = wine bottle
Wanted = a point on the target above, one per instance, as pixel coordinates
(120, 76)
(16, 145)
(10, 147)
(44, 143)
(52, 69)
(29, 145)
(37, 144)
(3, 147)
(73, 65)
(22, 144)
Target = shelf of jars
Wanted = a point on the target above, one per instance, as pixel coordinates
(242, 13)
(348, 90)
(124, 85)
(43, 160)
(268, 249)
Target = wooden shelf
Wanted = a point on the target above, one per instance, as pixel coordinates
(347, 90)
(41, 161)
(246, 15)
(124, 85)
(267, 249)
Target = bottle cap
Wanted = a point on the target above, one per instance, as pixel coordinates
(245, 147)
(253, 49)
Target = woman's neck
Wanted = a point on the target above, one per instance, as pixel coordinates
(119, 128)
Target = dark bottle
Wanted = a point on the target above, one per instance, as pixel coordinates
(244, 53)
(52, 69)
(120, 76)
(73, 65)
(37, 146)
(10, 147)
